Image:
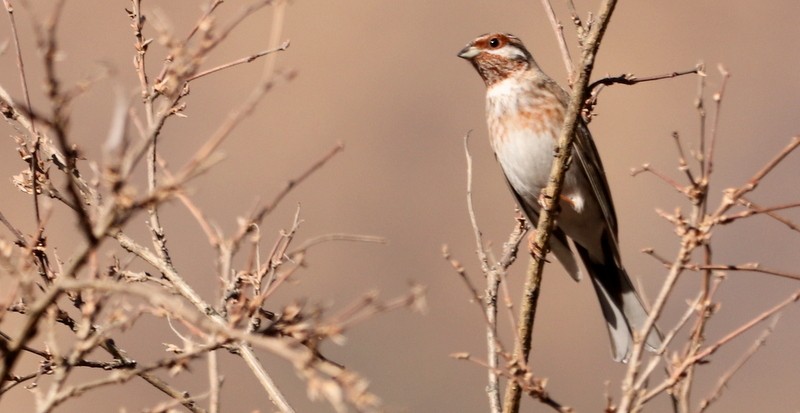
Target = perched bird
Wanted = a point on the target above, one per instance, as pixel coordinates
(525, 111)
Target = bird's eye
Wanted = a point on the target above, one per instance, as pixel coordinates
(494, 42)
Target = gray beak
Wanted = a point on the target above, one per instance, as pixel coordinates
(468, 52)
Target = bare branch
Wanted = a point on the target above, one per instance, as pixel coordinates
(558, 29)
(750, 266)
(237, 62)
(726, 378)
(629, 79)
(752, 205)
(715, 123)
(552, 193)
(262, 212)
(680, 370)
(753, 182)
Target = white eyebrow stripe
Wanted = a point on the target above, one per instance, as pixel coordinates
(509, 52)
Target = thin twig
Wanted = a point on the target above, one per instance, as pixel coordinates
(237, 62)
(276, 28)
(17, 234)
(233, 120)
(630, 382)
(715, 122)
(121, 376)
(682, 164)
(141, 45)
(677, 374)
(629, 79)
(187, 292)
(726, 378)
(662, 176)
(290, 185)
(752, 205)
(750, 266)
(34, 162)
(733, 195)
(139, 59)
(700, 106)
(558, 29)
(200, 21)
(489, 306)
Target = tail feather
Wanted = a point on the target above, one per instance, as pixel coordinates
(621, 305)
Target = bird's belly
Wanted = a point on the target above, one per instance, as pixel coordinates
(526, 160)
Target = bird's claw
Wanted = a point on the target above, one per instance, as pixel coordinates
(536, 252)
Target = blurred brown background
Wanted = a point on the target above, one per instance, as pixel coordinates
(382, 77)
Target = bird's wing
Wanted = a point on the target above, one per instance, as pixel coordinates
(588, 160)
(585, 152)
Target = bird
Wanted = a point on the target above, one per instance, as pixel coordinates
(525, 110)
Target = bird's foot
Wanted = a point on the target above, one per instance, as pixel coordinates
(536, 252)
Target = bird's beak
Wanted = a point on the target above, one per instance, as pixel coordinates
(468, 52)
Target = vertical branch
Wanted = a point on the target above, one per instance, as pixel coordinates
(701, 112)
(139, 61)
(699, 215)
(715, 122)
(60, 119)
(156, 229)
(24, 83)
(630, 385)
(161, 260)
(278, 17)
(558, 28)
(214, 381)
(489, 299)
(725, 378)
(544, 227)
(34, 160)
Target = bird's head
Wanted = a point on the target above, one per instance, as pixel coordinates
(497, 56)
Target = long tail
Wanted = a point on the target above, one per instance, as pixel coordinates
(622, 308)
